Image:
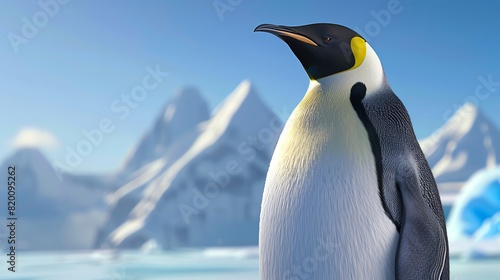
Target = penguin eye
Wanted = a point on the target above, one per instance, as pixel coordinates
(327, 39)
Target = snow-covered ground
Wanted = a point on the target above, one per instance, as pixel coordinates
(207, 264)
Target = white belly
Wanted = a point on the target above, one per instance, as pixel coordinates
(321, 215)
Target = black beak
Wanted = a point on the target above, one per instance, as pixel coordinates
(284, 31)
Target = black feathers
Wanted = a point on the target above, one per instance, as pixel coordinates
(358, 93)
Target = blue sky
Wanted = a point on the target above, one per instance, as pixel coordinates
(86, 54)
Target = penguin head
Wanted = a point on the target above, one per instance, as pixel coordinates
(323, 49)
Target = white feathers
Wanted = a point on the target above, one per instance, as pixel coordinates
(321, 192)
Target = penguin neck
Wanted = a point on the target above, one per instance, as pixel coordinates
(326, 117)
(370, 73)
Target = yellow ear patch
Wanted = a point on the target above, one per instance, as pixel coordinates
(358, 48)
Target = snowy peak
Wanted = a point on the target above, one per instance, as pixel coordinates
(27, 157)
(458, 125)
(464, 119)
(242, 108)
(180, 116)
(467, 142)
(35, 166)
(183, 112)
(243, 94)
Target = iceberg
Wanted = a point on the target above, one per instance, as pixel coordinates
(476, 213)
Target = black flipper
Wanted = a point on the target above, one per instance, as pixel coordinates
(422, 249)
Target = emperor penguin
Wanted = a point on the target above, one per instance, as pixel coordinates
(349, 193)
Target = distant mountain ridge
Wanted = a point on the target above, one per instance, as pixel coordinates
(52, 208)
(466, 143)
(211, 194)
(180, 115)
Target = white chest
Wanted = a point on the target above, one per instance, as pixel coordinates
(321, 215)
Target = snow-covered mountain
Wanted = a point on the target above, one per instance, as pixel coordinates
(211, 194)
(179, 117)
(54, 211)
(174, 131)
(468, 142)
